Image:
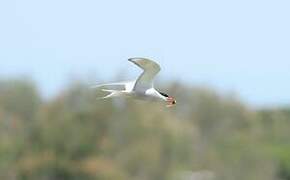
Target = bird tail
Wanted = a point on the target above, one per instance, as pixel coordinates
(109, 84)
(112, 93)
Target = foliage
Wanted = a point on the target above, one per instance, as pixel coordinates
(74, 136)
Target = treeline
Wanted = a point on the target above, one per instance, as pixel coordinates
(74, 136)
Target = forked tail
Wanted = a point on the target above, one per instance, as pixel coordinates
(113, 93)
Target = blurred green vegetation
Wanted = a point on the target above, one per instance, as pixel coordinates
(74, 136)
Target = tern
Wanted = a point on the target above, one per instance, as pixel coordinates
(143, 87)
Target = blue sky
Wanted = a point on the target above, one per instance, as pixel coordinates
(233, 46)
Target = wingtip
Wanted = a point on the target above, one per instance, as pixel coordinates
(132, 59)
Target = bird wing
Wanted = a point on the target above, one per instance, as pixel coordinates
(150, 70)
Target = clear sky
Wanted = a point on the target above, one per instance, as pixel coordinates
(241, 46)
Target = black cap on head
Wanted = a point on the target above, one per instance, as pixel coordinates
(163, 94)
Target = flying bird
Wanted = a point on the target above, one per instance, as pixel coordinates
(143, 87)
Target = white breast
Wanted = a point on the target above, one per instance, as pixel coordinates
(154, 94)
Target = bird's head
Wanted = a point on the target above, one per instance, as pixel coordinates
(170, 101)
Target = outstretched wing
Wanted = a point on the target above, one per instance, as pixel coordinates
(150, 70)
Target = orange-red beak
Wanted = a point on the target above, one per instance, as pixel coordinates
(170, 102)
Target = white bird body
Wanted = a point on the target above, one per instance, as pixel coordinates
(143, 87)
